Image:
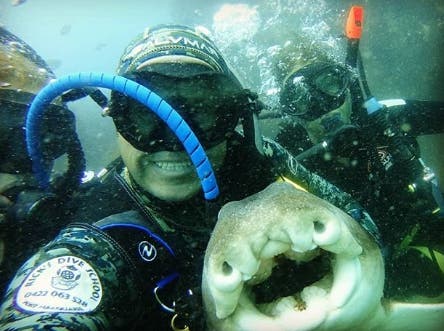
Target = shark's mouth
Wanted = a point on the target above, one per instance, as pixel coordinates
(301, 282)
(289, 278)
(286, 260)
(305, 275)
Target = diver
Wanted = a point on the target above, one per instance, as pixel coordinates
(373, 156)
(133, 255)
(22, 74)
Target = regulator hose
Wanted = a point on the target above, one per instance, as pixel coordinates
(132, 89)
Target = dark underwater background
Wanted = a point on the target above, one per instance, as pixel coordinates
(402, 46)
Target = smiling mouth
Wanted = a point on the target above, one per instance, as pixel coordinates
(174, 166)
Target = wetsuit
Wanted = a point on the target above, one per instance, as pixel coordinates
(377, 170)
(129, 259)
(18, 223)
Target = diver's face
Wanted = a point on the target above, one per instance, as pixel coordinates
(320, 128)
(318, 94)
(167, 175)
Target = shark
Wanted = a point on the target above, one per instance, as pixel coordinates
(286, 260)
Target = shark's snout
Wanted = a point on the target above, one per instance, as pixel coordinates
(285, 258)
(253, 261)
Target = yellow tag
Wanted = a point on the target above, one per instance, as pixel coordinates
(287, 180)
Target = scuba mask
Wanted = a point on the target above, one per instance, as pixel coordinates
(315, 90)
(210, 103)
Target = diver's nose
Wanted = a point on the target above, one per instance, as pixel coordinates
(169, 140)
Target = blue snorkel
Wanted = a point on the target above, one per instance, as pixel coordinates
(160, 107)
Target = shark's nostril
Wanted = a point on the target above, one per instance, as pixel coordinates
(228, 278)
(319, 226)
(326, 232)
(227, 269)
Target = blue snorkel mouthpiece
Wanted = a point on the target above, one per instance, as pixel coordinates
(132, 89)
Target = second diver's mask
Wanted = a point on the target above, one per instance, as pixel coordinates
(58, 128)
(315, 90)
(209, 102)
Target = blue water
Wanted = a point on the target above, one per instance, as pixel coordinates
(402, 46)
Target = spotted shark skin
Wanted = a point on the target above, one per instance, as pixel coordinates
(253, 234)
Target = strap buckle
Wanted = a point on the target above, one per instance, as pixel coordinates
(174, 327)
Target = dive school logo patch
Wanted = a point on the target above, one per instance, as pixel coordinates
(62, 284)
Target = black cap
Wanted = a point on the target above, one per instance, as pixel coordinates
(173, 50)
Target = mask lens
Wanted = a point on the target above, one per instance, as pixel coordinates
(296, 96)
(314, 90)
(330, 82)
(56, 125)
(210, 105)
